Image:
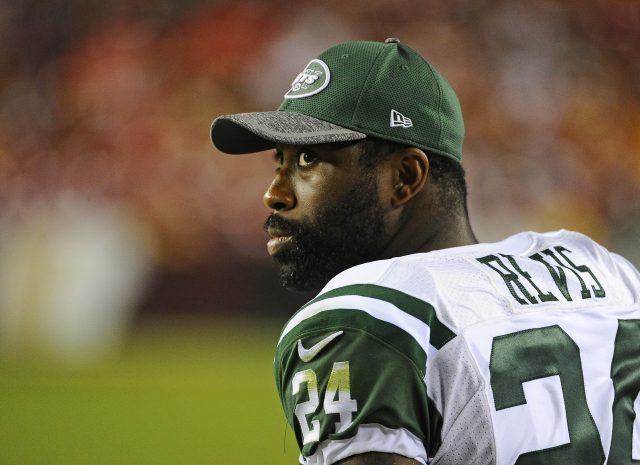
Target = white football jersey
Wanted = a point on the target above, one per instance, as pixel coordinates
(523, 351)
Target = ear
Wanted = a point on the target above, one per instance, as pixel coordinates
(411, 168)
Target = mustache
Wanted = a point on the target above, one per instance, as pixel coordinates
(287, 227)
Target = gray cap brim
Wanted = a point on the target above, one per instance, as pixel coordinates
(254, 132)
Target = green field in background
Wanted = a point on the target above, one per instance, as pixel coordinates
(177, 394)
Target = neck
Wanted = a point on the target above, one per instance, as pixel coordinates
(416, 238)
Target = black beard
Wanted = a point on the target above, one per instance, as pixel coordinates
(340, 236)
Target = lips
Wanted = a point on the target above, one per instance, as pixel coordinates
(276, 244)
(281, 233)
(279, 238)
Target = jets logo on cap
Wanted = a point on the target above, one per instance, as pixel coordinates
(312, 80)
(398, 120)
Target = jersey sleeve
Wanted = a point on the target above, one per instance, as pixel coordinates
(351, 380)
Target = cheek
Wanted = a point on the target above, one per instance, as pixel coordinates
(318, 192)
(310, 194)
(386, 189)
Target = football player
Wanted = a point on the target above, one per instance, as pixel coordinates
(423, 345)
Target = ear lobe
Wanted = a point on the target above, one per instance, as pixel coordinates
(411, 175)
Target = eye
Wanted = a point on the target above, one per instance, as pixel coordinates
(306, 158)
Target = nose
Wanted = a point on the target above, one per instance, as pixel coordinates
(279, 196)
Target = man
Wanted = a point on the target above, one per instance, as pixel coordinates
(422, 345)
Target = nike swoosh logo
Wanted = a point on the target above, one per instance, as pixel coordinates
(306, 355)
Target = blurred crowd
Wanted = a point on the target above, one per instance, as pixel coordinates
(114, 201)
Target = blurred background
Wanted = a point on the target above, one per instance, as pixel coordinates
(138, 308)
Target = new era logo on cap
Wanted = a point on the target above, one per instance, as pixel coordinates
(398, 120)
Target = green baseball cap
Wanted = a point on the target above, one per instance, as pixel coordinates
(351, 91)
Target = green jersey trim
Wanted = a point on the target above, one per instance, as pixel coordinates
(440, 334)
